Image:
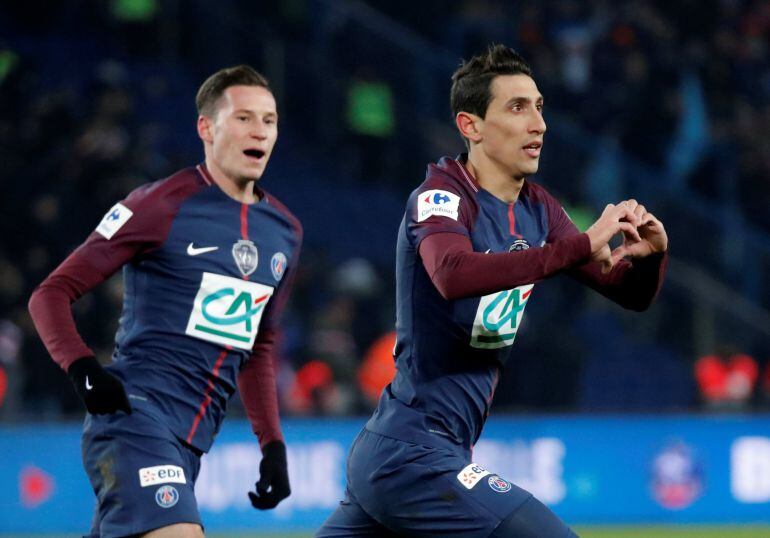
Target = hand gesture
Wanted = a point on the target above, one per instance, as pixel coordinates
(614, 219)
(652, 236)
(273, 484)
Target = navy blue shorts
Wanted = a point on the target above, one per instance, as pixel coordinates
(398, 488)
(142, 475)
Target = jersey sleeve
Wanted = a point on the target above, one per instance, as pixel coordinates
(438, 208)
(130, 228)
(256, 380)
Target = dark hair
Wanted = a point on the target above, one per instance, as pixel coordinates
(214, 86)
(472, 81)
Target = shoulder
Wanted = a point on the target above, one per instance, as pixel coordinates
(539, 194)
(284, 211)
(167, 193)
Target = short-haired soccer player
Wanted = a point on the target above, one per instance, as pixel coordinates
(208, 260)
(476, 236)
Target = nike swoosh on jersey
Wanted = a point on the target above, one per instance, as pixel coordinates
(89, 386)
(192, 251)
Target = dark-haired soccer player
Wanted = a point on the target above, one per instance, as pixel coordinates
(476, 236)
(208, 260)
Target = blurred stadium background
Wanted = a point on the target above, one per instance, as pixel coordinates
(612, 418)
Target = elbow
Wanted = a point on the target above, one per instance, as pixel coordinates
(35, 301)
(446, 288)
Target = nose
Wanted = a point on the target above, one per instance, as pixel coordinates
(538, 122)
(258, 130)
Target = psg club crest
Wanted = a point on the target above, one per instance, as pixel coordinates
(245, 256)
(278, 265)
(166, 496)
(677, 477)
(498, 484)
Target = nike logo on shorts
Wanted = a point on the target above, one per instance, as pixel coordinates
(89, 386)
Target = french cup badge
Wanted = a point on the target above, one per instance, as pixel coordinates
(245, 256)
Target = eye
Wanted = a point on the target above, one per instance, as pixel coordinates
(516, 107)
(243, 118)
(539, 106)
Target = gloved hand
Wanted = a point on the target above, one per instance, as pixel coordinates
(102, 392)
(273, 485)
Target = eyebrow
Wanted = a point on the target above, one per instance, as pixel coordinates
(253, 113)
(522, 99)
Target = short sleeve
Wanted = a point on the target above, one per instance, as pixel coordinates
(438, 208)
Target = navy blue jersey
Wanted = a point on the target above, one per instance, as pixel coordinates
(204, 276)
(449, 352)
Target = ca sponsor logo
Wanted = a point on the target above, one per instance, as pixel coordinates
(228, 310)
(471, 474)
(161, 474)
(437, 203)
(498, 317)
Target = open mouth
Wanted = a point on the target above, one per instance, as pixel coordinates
(254, 153)
(533, 149)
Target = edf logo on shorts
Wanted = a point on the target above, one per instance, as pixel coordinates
(161, 474)
(471, 474)
(228, 310)
(439, 203)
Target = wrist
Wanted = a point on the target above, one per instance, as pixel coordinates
(82, 366)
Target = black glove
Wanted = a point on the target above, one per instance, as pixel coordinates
(102, 392)
(273, 485)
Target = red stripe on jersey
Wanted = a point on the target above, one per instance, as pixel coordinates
(244, 221)
(207, 394)
(467, 176)
(204, 174)
(526, 294)
(511, 220)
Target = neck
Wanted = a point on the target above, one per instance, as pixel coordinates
(241, 191)
(492, 178)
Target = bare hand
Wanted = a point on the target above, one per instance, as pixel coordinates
(614, 219)
(652, 236)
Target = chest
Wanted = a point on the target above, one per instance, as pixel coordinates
(504, 227)
(251, 243)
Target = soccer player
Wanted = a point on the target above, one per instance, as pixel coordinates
(208, 260)
(476, 236)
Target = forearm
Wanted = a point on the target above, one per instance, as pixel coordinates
(633, 285)
(457, 271)
(258, 390)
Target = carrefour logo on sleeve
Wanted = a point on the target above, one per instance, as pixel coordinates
(437, 203)
(228, 310)
(498, 317)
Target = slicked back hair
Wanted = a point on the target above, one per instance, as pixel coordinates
(472, 81)
(212, 89)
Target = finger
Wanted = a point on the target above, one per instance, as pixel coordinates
(607, 266)
(263, 502)
(640, 211)
(629, 230)
(619, 253)
(632, 204)
(625, 213)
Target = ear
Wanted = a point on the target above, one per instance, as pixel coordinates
(206, 129)
(469, 126)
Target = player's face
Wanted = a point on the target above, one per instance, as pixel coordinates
(513, 128)
(244, 131)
